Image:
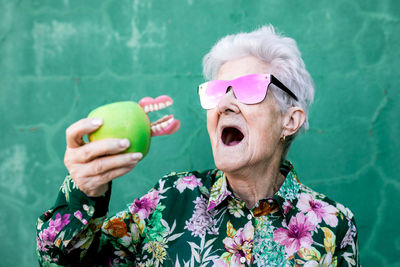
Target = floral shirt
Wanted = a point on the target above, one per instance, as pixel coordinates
(193, 219)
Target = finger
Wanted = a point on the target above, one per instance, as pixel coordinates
(100, 148)
(76, 131)
(112, 174)
(95, 181)
(105, 164)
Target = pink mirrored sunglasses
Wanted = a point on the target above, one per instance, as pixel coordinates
(248, 89)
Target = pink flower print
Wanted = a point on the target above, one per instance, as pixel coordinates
(59, 222)
(46, 258)
(48, 235)
(78, 215)
(287, 205)
(219, 263)
(145, 205)
(187, 182)
(296, 235)
(317, 210)
(46, 238)
(40, 244)
(240, 245)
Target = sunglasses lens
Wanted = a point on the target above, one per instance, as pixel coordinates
(211, 93)
(251, 89)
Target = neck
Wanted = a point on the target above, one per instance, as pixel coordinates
(256, 182)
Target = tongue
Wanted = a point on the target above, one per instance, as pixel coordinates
(233, 143)
(232, 136)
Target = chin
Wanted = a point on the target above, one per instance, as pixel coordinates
(226, 167)
(229, 163)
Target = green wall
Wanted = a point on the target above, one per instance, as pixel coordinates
(60, 59)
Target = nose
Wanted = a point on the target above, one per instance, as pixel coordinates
(228, 103)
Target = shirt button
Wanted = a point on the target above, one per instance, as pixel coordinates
(242, 260)
(249, 217)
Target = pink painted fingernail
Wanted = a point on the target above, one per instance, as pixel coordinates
(136, 156)
(124, 143)
(97, 122)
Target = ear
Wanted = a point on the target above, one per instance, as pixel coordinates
(293, 120)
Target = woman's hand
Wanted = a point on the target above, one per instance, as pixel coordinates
(93, 165)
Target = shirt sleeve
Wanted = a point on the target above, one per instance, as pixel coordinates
(76, 232)
(347, 246)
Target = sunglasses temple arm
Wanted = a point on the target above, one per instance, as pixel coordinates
(282, 86)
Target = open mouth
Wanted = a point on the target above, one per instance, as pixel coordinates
(231, 136)
(167, 124)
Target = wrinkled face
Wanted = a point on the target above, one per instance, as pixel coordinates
(244, 136)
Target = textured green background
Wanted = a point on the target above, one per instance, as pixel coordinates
(61, 59)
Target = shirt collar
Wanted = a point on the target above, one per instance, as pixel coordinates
(219, 190)
(285, 196)
(290, 189)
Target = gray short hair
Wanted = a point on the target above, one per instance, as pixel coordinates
(281, 53)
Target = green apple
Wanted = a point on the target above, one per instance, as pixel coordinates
(123, 120)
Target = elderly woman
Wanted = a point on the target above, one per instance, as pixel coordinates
(250, 210)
